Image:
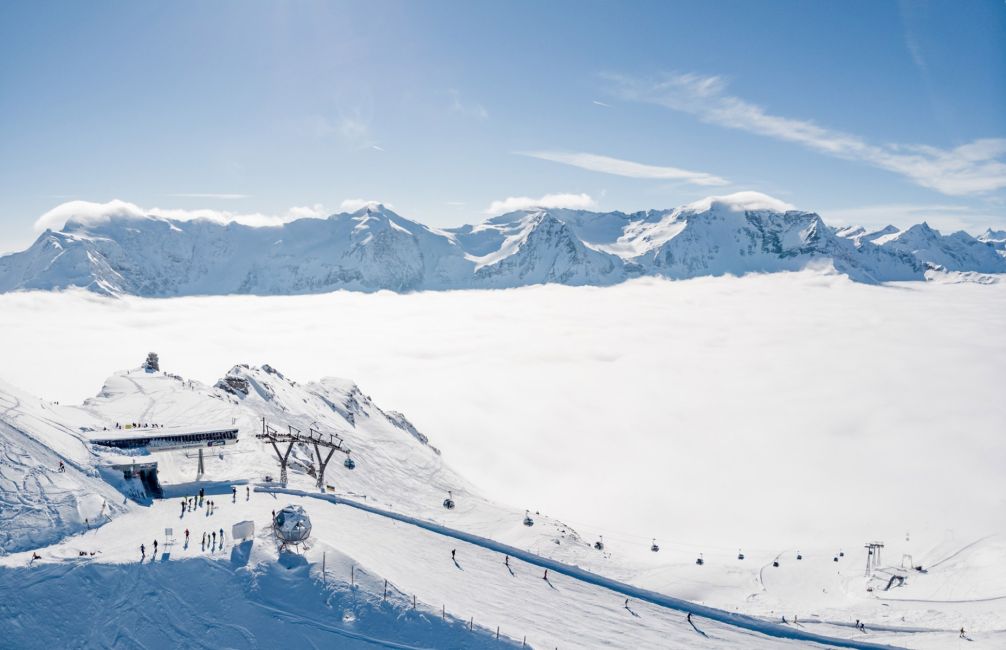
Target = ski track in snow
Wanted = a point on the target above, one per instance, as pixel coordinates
(741, 621)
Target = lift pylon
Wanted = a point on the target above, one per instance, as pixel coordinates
(317, 439)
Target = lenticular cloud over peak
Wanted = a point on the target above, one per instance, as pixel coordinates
(90, 213)
(740, 201)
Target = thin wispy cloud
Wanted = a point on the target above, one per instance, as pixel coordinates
(601, 104)
(973, 168)
(620, 167)
(514, 203)
(468, 109)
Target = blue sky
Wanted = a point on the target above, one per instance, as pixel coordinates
(867, 112)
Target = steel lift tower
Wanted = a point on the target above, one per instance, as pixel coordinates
(287, 439)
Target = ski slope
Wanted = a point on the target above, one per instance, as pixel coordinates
(397, 530)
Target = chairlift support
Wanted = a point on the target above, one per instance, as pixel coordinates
(317, 439)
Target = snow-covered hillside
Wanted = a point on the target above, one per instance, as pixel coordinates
(387, 564)
(373, 248)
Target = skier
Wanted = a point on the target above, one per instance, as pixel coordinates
(155, 547)
(545, 577)
(221, 536)
(184, 506)
(963, 635)
(690, 617)
(204, 538)
(214, 537)
(35, 556)
(453, 552)
(626, 603)
(234, 494)
(186, 535)
(143, 552)
(247, 493)
(784, 619)
(507, 561)
(61, 467)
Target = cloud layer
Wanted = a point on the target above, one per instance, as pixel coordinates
(90, 212)
(513, 203)
(973, 168)
(620, 167)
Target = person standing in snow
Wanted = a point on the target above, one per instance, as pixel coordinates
(143, 552)
(247, 493)
(186, 535)
(963, 635)
(234, 494)
(545, 577)
(155, 547)
(221, 537)
(61, 467)
(453, 552)
(214, 538)
(507, 561)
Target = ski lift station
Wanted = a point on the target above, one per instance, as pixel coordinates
(166, 438)
(158, 439)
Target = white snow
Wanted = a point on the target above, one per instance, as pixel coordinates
(117, 249)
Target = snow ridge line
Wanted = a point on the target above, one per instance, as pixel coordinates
(729, 618)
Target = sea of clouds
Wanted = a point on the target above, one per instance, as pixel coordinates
(783, 409)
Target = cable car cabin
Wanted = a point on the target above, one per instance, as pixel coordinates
(449, 501)
(599, 544)
(349, 463)
(836, 558)
(700, 561)
(775, 564)
(740, 556)
(527, 519)
(799, 556)
(166, 438)
(654, 547)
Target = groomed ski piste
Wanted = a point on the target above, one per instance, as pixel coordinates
(386, 564)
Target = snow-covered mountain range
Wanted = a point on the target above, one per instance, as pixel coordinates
(374, 248)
